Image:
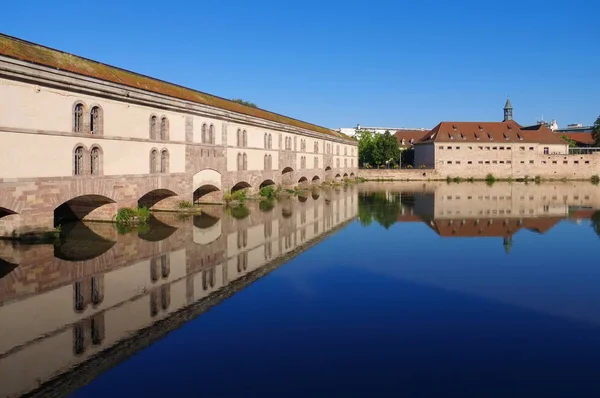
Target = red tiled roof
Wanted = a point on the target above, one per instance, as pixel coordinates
(498, 132)
(581, 138)
(407, 135)
(30, 52)
(485, 227)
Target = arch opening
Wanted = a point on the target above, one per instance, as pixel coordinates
(240, 185)
(287, 170)
(328, 168)
(157, 230)
(316, 179)
(302, 179)
(338, 177)
(150, 199)
(80, 207)
(266, 183)
(302, 199)
(345, 175)
(351, 174)
(201, 192)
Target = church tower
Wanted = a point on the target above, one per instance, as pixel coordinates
(508, 111)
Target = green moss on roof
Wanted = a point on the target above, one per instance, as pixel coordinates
(34, 53)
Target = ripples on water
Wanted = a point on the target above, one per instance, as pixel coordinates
(403, 289)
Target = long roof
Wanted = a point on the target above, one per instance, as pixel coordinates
(491, 132)
(37, 54)
(408, 135)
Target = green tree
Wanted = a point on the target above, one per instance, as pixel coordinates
(366, 144)
(572, 143)
(241, 101)
(596, 132)
(379, 207)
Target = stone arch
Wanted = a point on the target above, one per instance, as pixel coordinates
(302, 198)
(286, 176)
(151, 198)
(206, 181)
(4, 212)
(240, 185)
(207, 229)
(266, 183)
(80, 207)
(345, 175)
(302, 180)
(338, 177)
(351, 174)
(316, 179)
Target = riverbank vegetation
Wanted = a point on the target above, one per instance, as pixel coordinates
(378, 150)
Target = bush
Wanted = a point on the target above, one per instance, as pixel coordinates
(490, 179)
(268, 192)
(239, 196)
(457, 179)
(266, 205)
(239, 212)
(595, 179)
(409, 166)
(127, 215)
(537, 179)
(185, 204)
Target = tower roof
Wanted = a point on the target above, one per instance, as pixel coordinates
(507, 105)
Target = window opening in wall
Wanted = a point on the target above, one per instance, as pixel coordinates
(531, 148)
(495, 148)
(480, 162)
(487, 162)
(546, 150)
(79, 300)
(96, 335)
(469, 162)
(164, 126)
(153, 160)
(565, 162)
(95, 161)
(586, 162)
(211, 134)
(153, 124)
(78, 118)
(78, 158)
(245, 160)
(164, 157)
(95, 291)
(245, 138)
(204, 134)
(95, 120)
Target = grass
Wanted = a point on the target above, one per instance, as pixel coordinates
(185, 204)
(127, 215)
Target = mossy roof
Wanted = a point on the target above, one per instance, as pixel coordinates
(37, 54)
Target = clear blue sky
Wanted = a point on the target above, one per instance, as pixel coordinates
(338, 63)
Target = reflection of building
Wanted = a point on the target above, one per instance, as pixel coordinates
(83, 307)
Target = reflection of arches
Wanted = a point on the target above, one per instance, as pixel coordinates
(315, 195)
(6, 268)
(302, 199)
(157, 231)
(153, 197)
(6, 212)
(316, 179)
(328, 168)
(207, 229)
(84, 245)
(240, 185)
(266, 183)
(286, 213)
(302, 179)
(77, 208)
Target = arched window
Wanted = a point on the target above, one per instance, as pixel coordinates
(316, 147)
(96, 294)
(345, 162)
(164, 161)
(204, 134)
(78, 118)
(266, 162)
(270, 163)
(338, 163)
(245, 162)
(316, 162)
(239, 161)
(165, 268)
(270, 142)
(245, 136)
(345, 150)
(266, 141)
(96, 120)
(95, 161)
(153, 160)
(338, 150)
(211, 134)
(164, 129)
(153, 127)
(78, 161)
(239, 138)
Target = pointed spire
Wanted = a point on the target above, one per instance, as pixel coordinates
(508, 111)
(507, 105)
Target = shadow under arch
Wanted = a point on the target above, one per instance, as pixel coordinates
(80, 243)
(240, 185)
(328, 168)
(6, 267)
(266, 183)
(149, 199)
(6, 212)
(345, 175)
(205, 220)
(316, 179)
(351, 174)
(77, 208)
(302, 179)
(156, 230)
(207, 229)
(287, 170)
(204, 190)
(302, 199)
(338, 177)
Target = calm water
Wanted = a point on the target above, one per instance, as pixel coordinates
(399, 289)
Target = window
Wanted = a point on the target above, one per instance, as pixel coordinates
(494, 162)
(495, 148)
(153, 127)
(338, 163)
(531, 148)
(245, 161)
(245, 139)
(266, 165)
(469, 162)
(95, 161)
(458, 162)
(316, 147)
(501, 148)
(270, 162)
(316, 163)
(204, 134)
(338, 150)
(164, 129)
(480, 162)
(153, 160)
(449, 162)
(586, 162)
(565, 162)
(96, 120)
(270, 142)
(266, 143)
(78, 118)
(239, 138)
(502, 162)
(554, 162)
(345, 163)
(441, 147)
(546, 150)
(521, 148)
(345, 150)
(240, 164)
(211, 134)
(480, 148)
(470, 148)
(576, 162)
(78, 161)
(487, 162)
(164, 161)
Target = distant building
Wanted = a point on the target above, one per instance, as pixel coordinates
(351, 131)
(407, 138)
(579, 133)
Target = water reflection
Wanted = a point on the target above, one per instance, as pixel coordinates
(479, 210)
(99, 294)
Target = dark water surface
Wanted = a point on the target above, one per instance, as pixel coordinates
(388, 289)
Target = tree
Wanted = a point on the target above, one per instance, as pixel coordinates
(377, 148)
(595, 221)
(572, 143)
(380, 208)
(246, 103)
(366, 144)
(596, 132)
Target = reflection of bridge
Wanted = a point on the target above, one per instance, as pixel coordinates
(81, 139)
(84, 301)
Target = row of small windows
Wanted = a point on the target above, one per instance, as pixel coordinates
(208, 134)
(288, 143)
(494, 148)
(159, 165)
(510, 162)
(522, 197)
(242, 138)
(87, 162)
(159, 130)
(268, 162)
(91, 122)
(268, 141)
(302, 162)
(242, 161)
